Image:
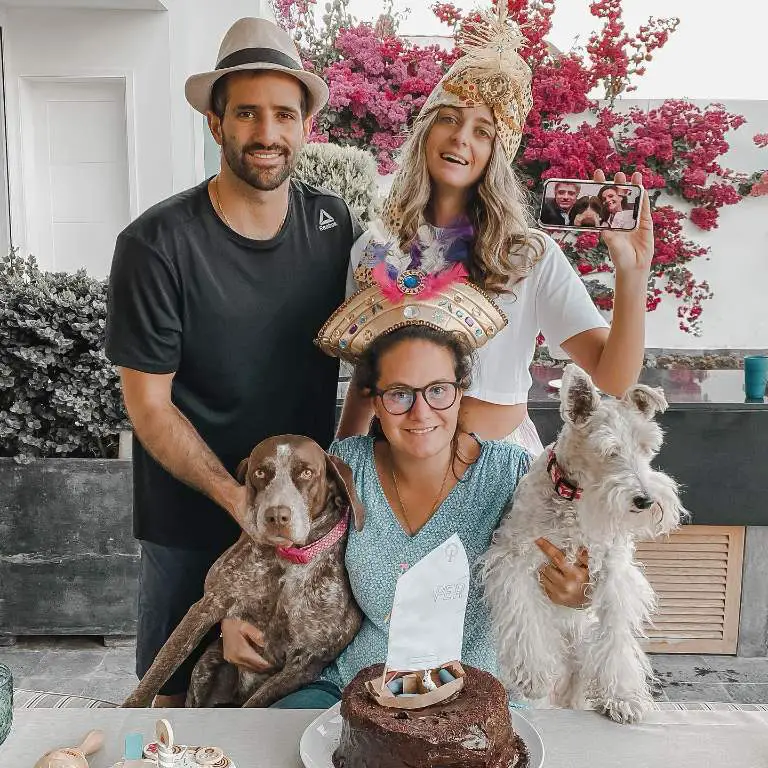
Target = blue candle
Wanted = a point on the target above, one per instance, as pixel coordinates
(134, 746)
(445, 676)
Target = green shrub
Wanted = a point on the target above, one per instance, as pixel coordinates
(348, 171)
(59, 395)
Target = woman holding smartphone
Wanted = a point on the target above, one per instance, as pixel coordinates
(456, 204)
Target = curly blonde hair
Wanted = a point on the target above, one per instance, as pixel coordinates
(505, 248)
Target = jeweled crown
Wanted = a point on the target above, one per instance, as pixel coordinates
(460, 307)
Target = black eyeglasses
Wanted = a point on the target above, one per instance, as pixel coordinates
(440, 395)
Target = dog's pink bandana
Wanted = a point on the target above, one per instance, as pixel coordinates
(304, 555)
(562, 487)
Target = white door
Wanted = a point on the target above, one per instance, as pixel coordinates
(76, 173)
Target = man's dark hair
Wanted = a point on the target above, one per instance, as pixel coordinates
(367, 370)
(220, 94)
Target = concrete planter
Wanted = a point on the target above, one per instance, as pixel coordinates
(68, 559)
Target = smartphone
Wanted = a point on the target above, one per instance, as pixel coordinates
(588, 205)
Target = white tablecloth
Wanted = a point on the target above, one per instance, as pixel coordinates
(270, 738)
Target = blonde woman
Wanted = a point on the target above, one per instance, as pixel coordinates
(457, 209)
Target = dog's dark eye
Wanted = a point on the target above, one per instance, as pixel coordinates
(305, 474)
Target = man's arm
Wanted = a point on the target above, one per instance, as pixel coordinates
(356, 414)
(169, 437)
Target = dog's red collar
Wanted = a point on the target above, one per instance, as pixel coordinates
(304, 555)
(563, 488)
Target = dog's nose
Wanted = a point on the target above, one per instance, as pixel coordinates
(278, 516)
(642, 502)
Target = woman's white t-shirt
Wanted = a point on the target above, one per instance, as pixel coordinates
(552, 300)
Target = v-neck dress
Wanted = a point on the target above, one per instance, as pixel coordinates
(377, 555)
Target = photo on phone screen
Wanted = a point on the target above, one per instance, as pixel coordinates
(588, 205)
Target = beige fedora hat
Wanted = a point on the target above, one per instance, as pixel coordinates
(256, 44)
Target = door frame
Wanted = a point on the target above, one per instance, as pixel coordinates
(6, 230)
(26, 183)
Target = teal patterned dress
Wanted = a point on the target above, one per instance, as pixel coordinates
(377, 555)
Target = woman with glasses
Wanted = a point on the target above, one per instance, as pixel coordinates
(456, 207)
(421, 479)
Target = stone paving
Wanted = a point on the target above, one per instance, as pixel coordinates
(84, 667)
(78, 666)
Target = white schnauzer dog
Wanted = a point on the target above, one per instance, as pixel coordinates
(593, 488)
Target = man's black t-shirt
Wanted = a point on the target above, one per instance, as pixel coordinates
(235, 319)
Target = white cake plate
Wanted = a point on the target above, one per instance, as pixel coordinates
(321, 738)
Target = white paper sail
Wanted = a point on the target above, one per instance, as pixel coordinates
(426, 627)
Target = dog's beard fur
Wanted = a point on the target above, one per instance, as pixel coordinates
(584, 657)
(609, 458)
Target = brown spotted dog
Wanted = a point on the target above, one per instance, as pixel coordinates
(285, 575)
(588, 212)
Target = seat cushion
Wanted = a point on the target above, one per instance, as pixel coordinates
(24, 699)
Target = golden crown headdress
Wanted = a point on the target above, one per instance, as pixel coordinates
(490, 72)
(443, 302)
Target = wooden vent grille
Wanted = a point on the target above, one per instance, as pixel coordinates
(696, 573)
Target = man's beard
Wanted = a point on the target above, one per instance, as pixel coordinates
(263, 179)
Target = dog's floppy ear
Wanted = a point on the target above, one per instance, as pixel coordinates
(578, 396)
(242, 468)
(343, 475)
(648, 400)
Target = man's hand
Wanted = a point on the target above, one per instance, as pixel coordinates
(564, 583)
(240, 641)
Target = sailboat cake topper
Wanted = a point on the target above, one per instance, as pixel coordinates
(426, 631)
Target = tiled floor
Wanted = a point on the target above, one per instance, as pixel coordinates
(83, 666)
(712, 678)
(78, 666)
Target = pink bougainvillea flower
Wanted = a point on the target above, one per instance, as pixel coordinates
(379, 81)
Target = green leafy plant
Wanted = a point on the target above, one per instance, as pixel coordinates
(59, 395)
(348, 171)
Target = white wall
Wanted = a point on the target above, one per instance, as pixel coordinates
(197, 28)
(46, 43)
(737, 266)
(154, 51)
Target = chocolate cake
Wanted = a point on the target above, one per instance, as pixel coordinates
(472, 729)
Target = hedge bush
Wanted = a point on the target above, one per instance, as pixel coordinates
(59, 395)
(348, 171)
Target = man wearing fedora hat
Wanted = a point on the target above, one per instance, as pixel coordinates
(215, 297)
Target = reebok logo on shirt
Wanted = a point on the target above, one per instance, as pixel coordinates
(326, 221)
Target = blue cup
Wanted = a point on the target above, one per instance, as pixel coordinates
(755, 376)
(6, 702)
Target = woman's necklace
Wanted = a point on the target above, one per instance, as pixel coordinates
(224, 215)
(400, 500)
